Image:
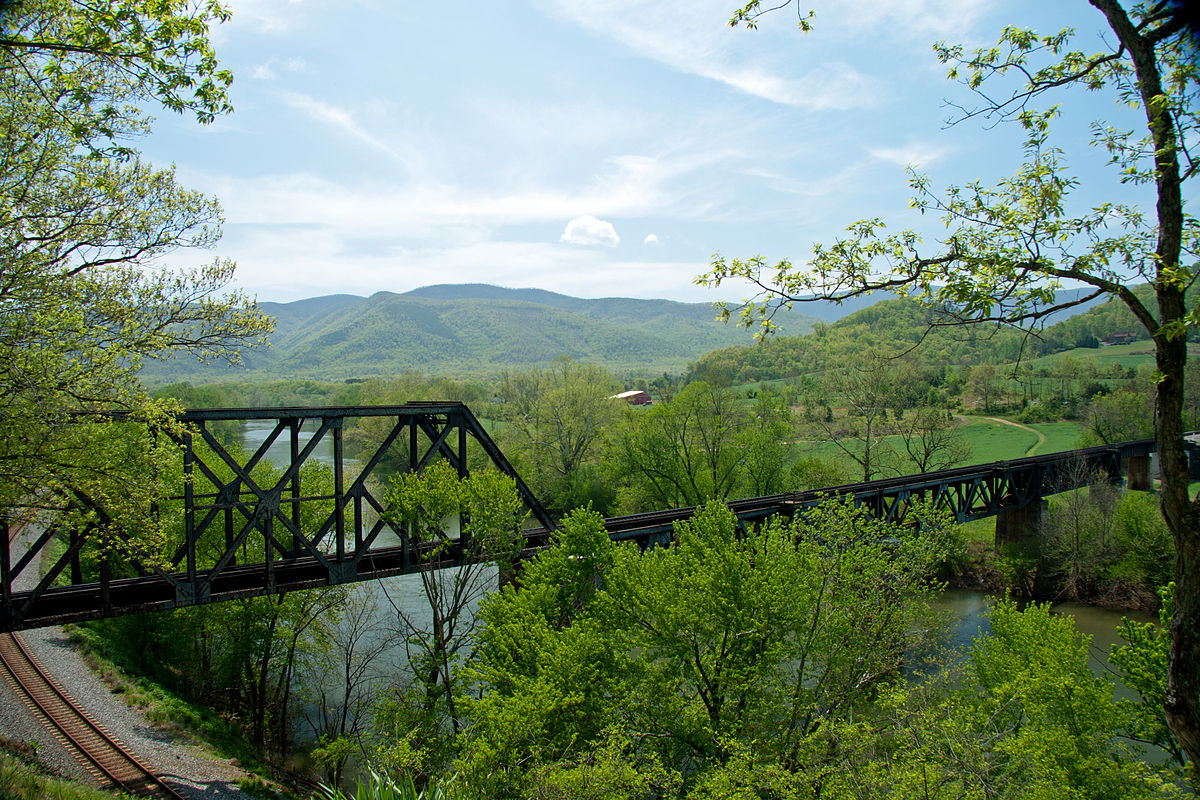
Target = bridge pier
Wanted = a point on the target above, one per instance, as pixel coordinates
(1137, 473)
(1019, 525)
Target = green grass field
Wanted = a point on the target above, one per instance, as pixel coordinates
(1135, 354)
(989, 439)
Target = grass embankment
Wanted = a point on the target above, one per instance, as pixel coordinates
(990, 438)
(191, 723)
(22, 778)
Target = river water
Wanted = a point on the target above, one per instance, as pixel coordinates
(967, 619)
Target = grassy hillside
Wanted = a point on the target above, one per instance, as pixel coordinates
(470, 330)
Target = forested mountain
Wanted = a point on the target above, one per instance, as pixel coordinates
(472, 329)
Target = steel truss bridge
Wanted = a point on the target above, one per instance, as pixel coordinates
(246, 530)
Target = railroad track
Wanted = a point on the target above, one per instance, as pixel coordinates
(104, 757)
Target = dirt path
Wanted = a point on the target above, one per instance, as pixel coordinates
(1041, 437)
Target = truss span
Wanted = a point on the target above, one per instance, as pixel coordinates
(244, 529)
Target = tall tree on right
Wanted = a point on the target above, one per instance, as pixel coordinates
(1009, 246)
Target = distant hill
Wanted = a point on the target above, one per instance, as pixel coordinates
(895, 324)
(472, 329)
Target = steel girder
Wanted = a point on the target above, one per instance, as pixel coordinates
(969, 493)
(224, 509)
(229, 511)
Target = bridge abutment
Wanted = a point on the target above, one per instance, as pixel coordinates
(1137, 473)
(1019, 525)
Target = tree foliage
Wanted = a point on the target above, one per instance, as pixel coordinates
(555, 421)
(86, 224)
(1009, 247)
(676, 660)
(702, 444)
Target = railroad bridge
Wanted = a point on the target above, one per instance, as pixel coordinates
(226, 509)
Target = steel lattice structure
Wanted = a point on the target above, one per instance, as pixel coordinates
(226, 511)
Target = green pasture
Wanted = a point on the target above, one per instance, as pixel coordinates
(1135, 354)
(990, 440)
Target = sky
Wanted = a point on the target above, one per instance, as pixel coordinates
(597, 148)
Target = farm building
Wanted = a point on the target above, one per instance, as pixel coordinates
(635, 397)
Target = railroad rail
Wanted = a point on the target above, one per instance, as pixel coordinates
(106, 759)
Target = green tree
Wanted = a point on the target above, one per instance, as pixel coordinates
(84, 224)
(1142, 662)
(765, 443)
(684, 657)
(555, 419)
(1120, 416)
(457, 527)
(984, 387)
(683, 451)
(866, 388)
(1010, 246)
(931, 439)
(1024, 718)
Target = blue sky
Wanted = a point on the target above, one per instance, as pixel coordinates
(590, 147)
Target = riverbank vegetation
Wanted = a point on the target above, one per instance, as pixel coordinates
(796, 657)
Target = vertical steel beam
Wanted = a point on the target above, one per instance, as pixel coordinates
(5, 563)
(294, 455)
(339, 491)
(189, 505)
(462, 449)
(76, 544)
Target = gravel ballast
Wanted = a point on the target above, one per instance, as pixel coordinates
(179, 763)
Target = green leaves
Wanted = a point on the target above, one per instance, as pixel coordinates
(729, 645)
(156, 51)
(435, 501)
(84, 224)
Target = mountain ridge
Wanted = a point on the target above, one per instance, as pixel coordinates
(467, 329)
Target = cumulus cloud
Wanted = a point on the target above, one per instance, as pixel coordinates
(651, 239)
(587, 230)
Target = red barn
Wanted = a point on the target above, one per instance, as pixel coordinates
(635, 398)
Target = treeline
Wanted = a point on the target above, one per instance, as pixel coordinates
(867, 415)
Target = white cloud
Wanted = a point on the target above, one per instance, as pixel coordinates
(343, 121)
(587, 230)
(650, 239)
(267, 70)
(425, 208)
(915, 153)
(284, 264)
(699, 42)
(265, 16)
(923, 19)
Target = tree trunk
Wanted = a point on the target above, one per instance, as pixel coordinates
(1182, 700)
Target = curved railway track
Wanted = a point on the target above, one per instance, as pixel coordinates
(104, 757)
